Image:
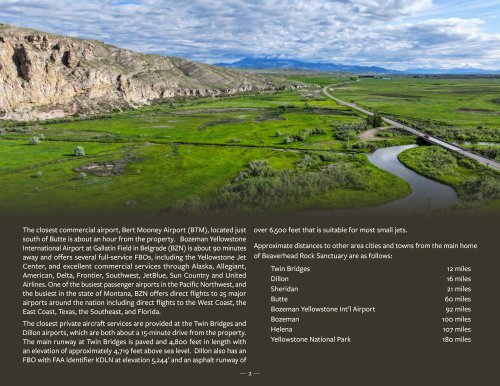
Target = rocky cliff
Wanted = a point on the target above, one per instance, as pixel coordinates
(46, 76)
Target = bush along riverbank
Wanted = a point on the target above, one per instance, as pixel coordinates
(478, 187)
(318, 181)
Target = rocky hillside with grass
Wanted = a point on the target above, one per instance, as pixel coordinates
(47, 76)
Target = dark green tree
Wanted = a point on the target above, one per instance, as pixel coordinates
(374, 120)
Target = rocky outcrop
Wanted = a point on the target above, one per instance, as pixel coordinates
(45, 76)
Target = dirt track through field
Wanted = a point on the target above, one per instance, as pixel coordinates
(371, 135)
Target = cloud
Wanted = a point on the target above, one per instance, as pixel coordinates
(382, 32)
(445, 43)
(390, 8)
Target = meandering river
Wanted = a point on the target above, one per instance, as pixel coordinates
(427, 195)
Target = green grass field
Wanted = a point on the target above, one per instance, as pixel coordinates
(157, 158)
(463, 110)
(468, 102)
(274, 151)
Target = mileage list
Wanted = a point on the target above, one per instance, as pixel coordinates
(457, 317)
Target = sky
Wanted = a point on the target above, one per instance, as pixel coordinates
(396, 34)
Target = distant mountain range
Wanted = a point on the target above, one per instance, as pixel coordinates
(451, 71)
(275, 63)
(271, 63)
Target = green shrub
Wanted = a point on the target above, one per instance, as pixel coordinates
(34, 141)
(348, 131)
(369, 146)
(386, 133)
(467, 163)
(307, 162)
(306, 133)
(482, 189)
(329, 157)
(317, 130)
(346, 135)
(473, 182)
(271, 190)
(79, 151)
(260, 168)
(241, 176)
(492, 152)
(374, 120)
(454, 134)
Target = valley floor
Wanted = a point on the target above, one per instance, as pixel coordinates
(275, 151)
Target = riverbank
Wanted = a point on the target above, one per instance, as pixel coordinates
(427, 195)
(478, 187)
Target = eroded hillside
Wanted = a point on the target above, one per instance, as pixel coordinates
(47, 76)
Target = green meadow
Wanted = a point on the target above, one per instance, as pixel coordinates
(181, 155)
(465, 102)
(278, 151)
